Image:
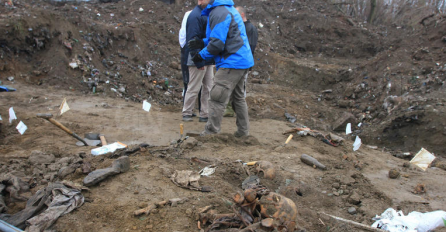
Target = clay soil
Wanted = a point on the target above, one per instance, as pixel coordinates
(304, 49)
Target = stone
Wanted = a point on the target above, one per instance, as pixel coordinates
(347, 180)
(394, 173)
(189, 143)
(38, 157)
(354, 199)
(341, 123)
(120, 165)
(336, 185)
(65, 171)
(255, 73)
(352, 210)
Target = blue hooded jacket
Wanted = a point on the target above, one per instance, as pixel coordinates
(226, 41)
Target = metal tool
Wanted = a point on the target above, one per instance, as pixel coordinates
(49, 117)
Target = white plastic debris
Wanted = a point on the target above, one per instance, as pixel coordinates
(394, 221)
(11, 115)
(348, 129)
(64, 106)
(207, 171)
(146, 106)
(0, 118)
(74, 65)
(423, 159)
(108, 148)
(360, 124)
(260, 25)
(21, 127)
(357, 143)
(141, 9)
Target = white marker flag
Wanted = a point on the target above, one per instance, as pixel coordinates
(357, 144)
(146, 106)
(348, 129)
(21, 127)
(11, 115)
(64, 106)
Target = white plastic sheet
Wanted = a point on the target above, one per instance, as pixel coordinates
(357, 143)
(423, 159)
(146, 106)
(11, 115)
(394, 221)
(348, 129)
(207, 171)
(108, 148)
(21, 127)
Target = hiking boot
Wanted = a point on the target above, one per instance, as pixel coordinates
(238, 134)
(204, 133)
(187, 118)
(193, 115)
(203, 119)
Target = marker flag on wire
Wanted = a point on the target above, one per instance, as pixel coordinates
(64, 106)
(146, 106)
(348, 129)
(357, 143)
(21, 127)
(11, 115)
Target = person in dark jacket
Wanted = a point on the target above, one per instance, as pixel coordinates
(251, 32)
(226, 42)
(201, 73)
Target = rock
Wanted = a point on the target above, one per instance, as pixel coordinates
(352, 210)
(121, 89)
(98, 176)
(337, 139)
(175, 65)
(38, 157)
(336, 185)
(255, 73)
(86, 168)
(346, 180)
(354, 199)
(306, 159)
(341, 122)
(10, 78)
(189, 143)
(65, 171)
(394, 173)
(122, 164)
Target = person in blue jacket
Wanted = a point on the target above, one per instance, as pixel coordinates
(227, 44)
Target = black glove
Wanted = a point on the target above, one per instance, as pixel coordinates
(197, 58)
(195, 43)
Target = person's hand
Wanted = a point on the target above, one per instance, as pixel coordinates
(197, 58)
(202, 68)
(195, 44)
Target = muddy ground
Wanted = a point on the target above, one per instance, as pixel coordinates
(313, 62)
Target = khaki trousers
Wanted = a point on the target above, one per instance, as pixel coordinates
(198, 79)
(228, 83)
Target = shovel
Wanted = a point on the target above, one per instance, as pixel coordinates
(93, 139)
(49, 117)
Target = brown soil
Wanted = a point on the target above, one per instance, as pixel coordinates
(305, 47)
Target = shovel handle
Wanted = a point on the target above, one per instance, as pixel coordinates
(66, 130)
(103, 141)
(181, 129)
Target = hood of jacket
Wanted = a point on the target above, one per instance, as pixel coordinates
(214, 3)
